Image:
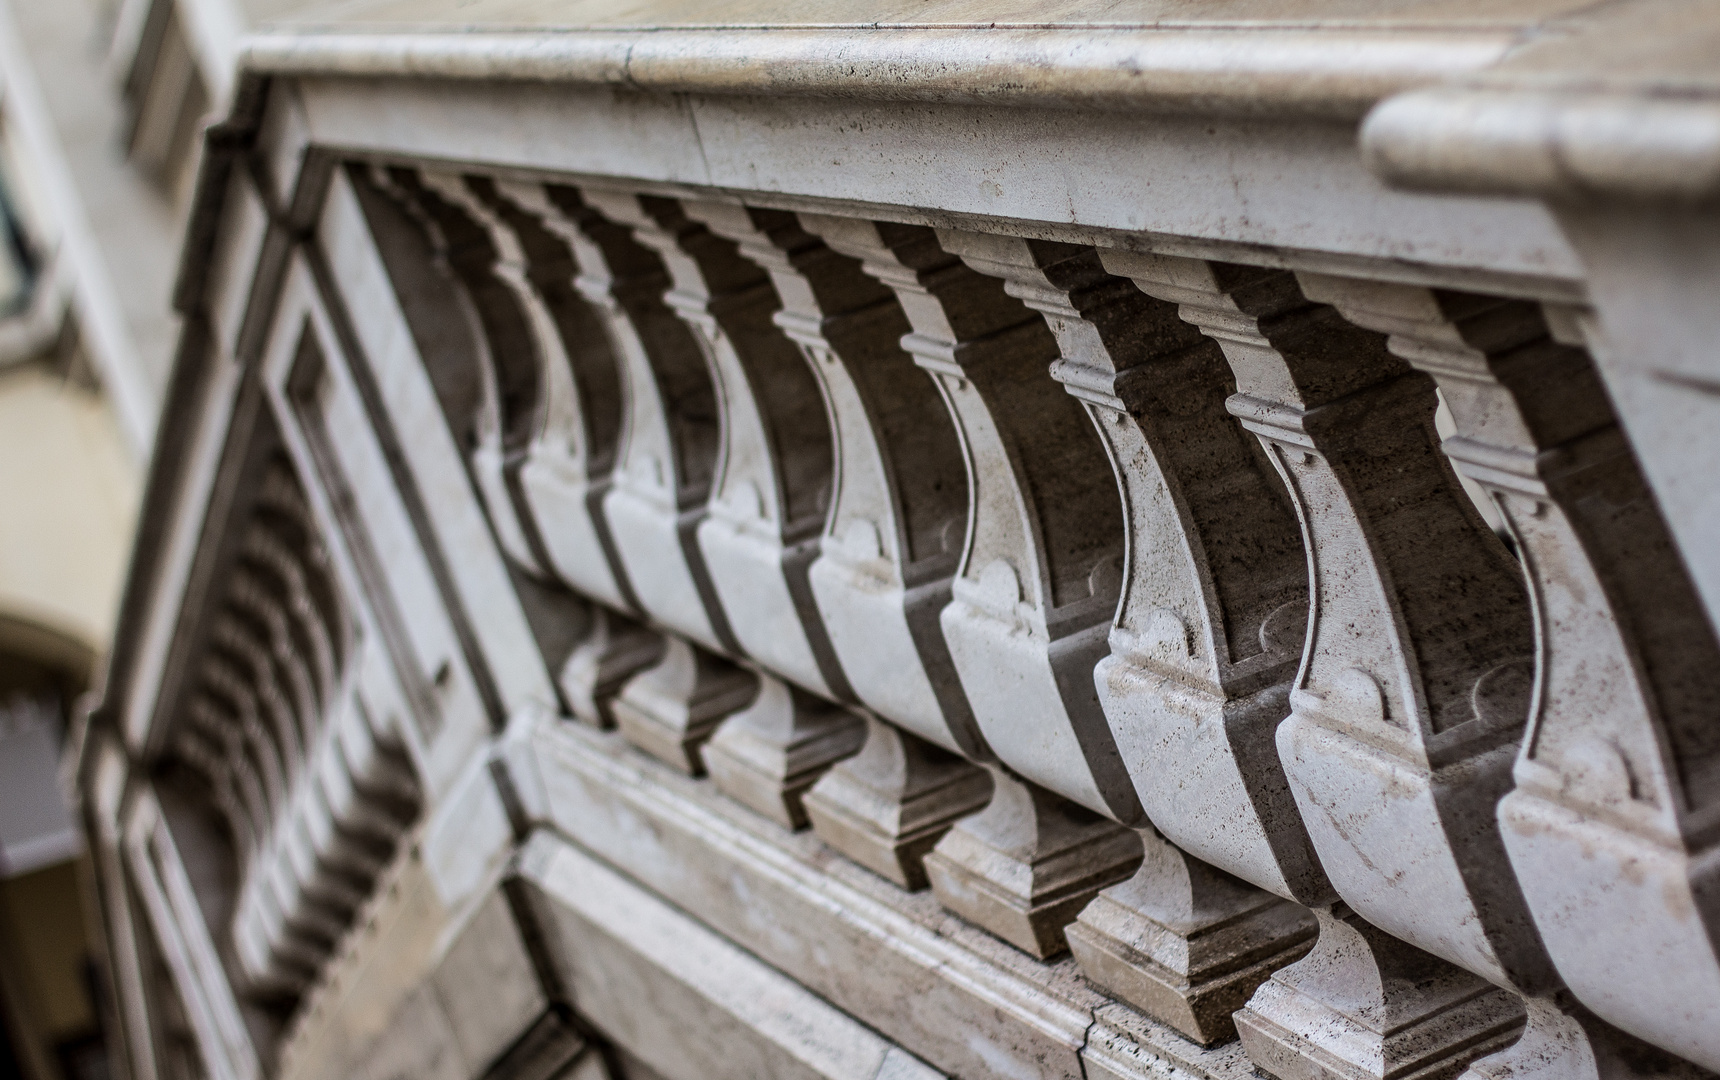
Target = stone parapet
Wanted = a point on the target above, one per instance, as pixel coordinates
(898, 547)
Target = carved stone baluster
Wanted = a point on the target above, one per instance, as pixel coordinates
(557, 455)
(561, 460)
(223, 736)
(207, 760)
(291, 552)
(664, 693)
(668, 693)
(904, 797)
(236, 642)
(508, 361)
(1622, 744)
(1206, 639)
(1023, 867)
(893, 541)
(257, 611)
(766, 510)
(774, 473)
(667, 449)
(280, 568)
(890, 549)
(1409, 703)
(664, 460)
(258, 961)
(297, 925)
(231, 697)
(565, 482)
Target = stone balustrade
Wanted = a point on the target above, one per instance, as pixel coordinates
(1242, 630)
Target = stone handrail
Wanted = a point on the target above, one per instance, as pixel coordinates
(1040, 461)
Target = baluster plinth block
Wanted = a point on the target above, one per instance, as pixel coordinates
(1186, 943)
(599, 666)
(672, 708)
(767, 755)
(886, 806)
(1365, 1005)
(1026, 865)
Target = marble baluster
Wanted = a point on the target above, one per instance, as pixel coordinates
(665, 465)
(232, 696)
(564, 463)
(765, 512)
(235, 639)
(1193, 688)
(263, 610)
(293, 552)
(561, 418)
(495, 386)
(567, 487)
(1410, 701)
(257, 964)
(492, 354)
(291, 936)
(1026, 865)
(882, 577)
(893, 804)
(1628, 667)
(330, 897)
(294, 598)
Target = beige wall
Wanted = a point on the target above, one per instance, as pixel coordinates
(68, 492)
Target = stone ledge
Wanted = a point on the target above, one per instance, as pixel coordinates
(963, 1001)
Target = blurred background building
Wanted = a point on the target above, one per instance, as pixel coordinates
(101, 106)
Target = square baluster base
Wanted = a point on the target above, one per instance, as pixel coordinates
(1316, 1019)
(766, 756)
(1027, 864)
(670, 709)
(617, 649)
(886, 806)
(1186, 943)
